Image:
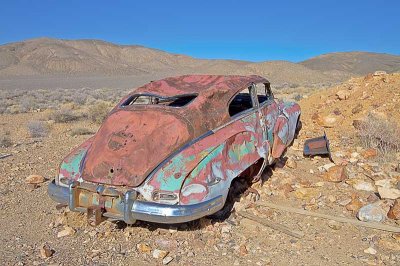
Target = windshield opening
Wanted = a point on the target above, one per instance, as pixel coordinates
(147, 99)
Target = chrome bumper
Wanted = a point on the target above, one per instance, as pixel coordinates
(130, 209)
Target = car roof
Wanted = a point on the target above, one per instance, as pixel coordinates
(223, 86)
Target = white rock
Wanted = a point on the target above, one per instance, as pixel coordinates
(66, 232)
(167, 260)
(353, 160)
(359, 184)
(370, 250)
(159, 254)
(326, 167)
(387, 183)
(226, 229)
(389, 193)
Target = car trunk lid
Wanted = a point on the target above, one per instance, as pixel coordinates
(131, 143)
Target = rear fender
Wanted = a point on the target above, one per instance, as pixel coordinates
(213, 175)
(71, 167)
(197, 156)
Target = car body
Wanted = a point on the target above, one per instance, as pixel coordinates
(168, 151)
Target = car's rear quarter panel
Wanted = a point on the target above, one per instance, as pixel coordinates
(223, 155)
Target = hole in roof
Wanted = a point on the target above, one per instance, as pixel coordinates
(173, 101)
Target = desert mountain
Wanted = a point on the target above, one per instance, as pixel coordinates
(46, 57)
(354, 63)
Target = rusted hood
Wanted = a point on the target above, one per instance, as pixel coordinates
(131, 143)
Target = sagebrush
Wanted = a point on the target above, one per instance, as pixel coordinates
(380, 133)
(37, 129)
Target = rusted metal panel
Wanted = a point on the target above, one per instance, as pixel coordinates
(317, 146)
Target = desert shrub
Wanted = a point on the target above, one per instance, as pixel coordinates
(5, 140)
(79, 98)
(37, 129)
(380, 133)
(298, 97)
(98, 111)
(27, 104)
(80, 131)
(64, 116)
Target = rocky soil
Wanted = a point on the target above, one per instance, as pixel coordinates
(361, 185)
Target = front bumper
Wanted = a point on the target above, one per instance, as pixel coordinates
(128, 209)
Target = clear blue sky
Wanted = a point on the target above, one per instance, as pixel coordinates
(248, 30)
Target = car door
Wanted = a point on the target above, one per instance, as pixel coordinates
(268, 111)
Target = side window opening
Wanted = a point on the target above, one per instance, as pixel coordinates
(175, 101)
(241, 102)
(264, 92)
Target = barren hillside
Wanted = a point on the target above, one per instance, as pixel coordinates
(354, 63)
(45, 59)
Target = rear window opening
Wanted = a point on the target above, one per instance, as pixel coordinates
(174, 101)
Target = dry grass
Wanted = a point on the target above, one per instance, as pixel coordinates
(98, 111)
(381, 134)
(64, 116)
(81, 131)
(37, 129)
(5, 140)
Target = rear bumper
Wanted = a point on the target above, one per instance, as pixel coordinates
(129, 209)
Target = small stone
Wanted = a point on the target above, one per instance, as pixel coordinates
(372, 213)
(389, 193)
(173, 229)
(334, 225)
(143, 248)
(34, 179)
(343, 95)
(326, 167)
(379, 73)
(68, 231)
(243, 250)
(358, 108)
(344, 202)
(370, 250)
(360, 184)
(327, 121)
(331, 198)
(167, 260)
(45, 251)
(291, 163)
(159, 254)
(386, 183)
(226, 229)
(337, 173)
(307, 193)
(394, 212)
(370, 153)
(354, 205)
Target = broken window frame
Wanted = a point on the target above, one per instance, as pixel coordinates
(129, 102)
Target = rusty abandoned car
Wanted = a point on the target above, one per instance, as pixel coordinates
(168, 152)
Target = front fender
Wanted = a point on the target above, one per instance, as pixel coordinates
(285, 127)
